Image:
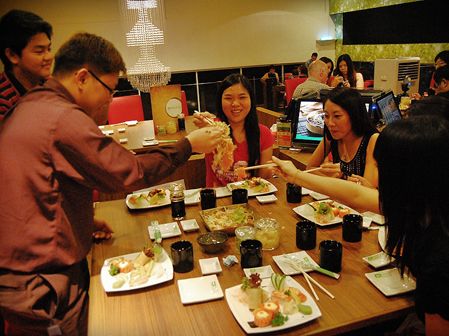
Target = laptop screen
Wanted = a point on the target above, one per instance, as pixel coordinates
(388, 108)
(308, 123)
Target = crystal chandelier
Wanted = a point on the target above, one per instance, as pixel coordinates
(148, 71)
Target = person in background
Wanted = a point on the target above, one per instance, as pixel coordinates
(25, 51)
(310, 89)
(441, 59)
(47, 173)
(270, 74)
(417, 222)
(312, 58)
(236, 107)
(346, 75)
(349, 138)
(441, 77)
(295, 72)
(330, 69)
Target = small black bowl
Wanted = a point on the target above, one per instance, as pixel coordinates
(212, 242)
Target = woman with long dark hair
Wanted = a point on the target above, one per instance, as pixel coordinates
(346, 150)
(236, 106)
(330, 69)
(345, 73)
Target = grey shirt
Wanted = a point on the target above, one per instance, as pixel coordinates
(309, 89)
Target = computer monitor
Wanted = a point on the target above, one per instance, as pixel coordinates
(308, 124)
(388, 108)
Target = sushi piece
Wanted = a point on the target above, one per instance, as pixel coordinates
(262, 318)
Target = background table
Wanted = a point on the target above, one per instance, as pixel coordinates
(158, 310)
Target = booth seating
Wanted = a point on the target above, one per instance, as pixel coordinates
(290, 86)
(125, 108)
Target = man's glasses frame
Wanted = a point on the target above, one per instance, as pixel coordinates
(111, 91)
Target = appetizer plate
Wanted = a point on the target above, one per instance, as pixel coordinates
(210, 266)
(264, 271)
(243, 315)
(378, 260)
(131, 122)
(266, 199)
(222, 192)
(167, 230)
(162, 272)
(189, 225)
(307, 212)
(192, 196)
(199, 289)
(228, 218)
(251, 192)
(283, 262)
(389, 282)
(382, 237)
(317, 196)
(145, 204)
(376, 218)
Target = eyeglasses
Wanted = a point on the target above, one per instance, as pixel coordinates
(111, 91)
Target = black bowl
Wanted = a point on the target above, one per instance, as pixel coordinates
(212, 242)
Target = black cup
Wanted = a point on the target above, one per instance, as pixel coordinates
(251, 252)
(239, 195)
(305, 235)
(294, 193)
(208, 199)
(182, 256)
(352, 228)
(330, 255)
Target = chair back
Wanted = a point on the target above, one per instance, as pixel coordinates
(369, 83)
(290, 86)
(185, 109)
(125, 108)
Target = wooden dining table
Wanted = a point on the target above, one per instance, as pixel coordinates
(157, 310)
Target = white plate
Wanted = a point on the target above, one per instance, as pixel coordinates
(210, 266)
(378, 260)
(162, 272)
(382, 237)
(266, 199)
(192, 196)
(271, 188)
(376, 218)
(264, 271)
(199, 289)
(189, 225)
(317, 196)
(243, 315)
(145, 204)
(389, 282)
(307, 212)
(222, 192)
(131, 122)
(167, 230)
(301, 257)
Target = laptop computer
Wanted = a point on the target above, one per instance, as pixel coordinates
(307, 124)
(386, 105)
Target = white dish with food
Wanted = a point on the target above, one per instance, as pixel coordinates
(263, 271)
(389, 282)
(256, 186)
(245, 316)
(159, 271)
(149, 199)
(200, 289)
(323, 213)
(167, 230)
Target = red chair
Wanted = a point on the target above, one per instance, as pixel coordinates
(125, 108)
(185, 110)
(288, 75)
(290, 86)
(369, 83)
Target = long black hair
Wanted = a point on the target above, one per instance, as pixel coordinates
(413, 193)
(351, 71)
(328, 60)
(251, 121)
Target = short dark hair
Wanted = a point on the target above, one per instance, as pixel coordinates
(441, 73)
(91, 51)
(443, 55)
(315, 54)
(17, 27)
(431, 105)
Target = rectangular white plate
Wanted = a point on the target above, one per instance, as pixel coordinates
(192, 196)
(210, 265)
(389, 282)
(162, 272)
(145, 204)
(243, 315)
(376, 218)
(264, 271)
(167, 230)
(378, 260)
(298, 257)
(307, 212)
(317, 196)
(266, 199)
(199, 289)
(222, 192)
(131, 122)
(271, 188)
(189, 225)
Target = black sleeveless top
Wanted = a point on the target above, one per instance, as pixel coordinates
(357, 164)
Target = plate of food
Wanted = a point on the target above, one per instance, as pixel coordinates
(149, 267)
(270, 305)
(323, 213)
(149, 199)
(228, 218)
(256, 186)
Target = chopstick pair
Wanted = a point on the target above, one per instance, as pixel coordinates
(272, 164)
(206, 119)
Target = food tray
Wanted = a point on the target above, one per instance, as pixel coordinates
(228, 218)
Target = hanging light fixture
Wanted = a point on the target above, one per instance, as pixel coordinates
(148, 71)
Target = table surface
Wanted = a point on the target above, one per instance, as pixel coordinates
(158, 310)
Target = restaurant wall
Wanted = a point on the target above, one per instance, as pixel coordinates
(203, 34)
